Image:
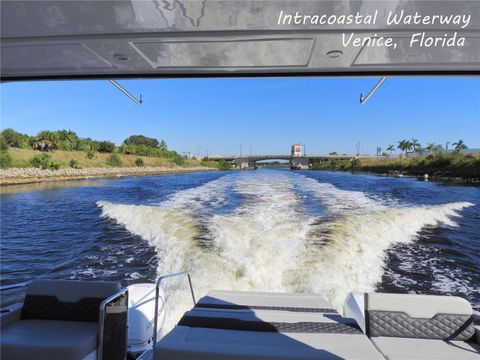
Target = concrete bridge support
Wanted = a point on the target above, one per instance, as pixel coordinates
(245, 164)
(300, 163)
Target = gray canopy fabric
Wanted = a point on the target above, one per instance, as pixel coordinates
(114, 39)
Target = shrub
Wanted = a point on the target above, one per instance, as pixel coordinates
(114, 160)
(178, 160)
(54, 165)
(90, 154)
(74, 164)
(5, 158)
(139, 162)
(356, 163)
(106, 146)
(41, 161)
(224, 165)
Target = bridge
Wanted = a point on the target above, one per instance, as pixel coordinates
(302, 162)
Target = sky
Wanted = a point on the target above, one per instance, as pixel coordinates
(261, 115)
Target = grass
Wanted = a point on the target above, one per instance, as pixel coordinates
(441, 165)
(21, 159)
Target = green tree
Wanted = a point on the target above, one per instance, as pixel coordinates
(5, 158)
(403, 145)
(415, 145)
(163, 145)
(141, 140)
(67, 140)
(460, 145)
(15, 139)
(390, 149)
(106, 147)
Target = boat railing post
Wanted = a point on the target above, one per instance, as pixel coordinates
(157, 294)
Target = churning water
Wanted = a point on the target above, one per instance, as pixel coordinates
(270, 229)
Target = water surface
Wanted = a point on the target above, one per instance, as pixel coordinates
(270, 229)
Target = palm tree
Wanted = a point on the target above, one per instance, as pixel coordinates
(403, 145)
(408, 145)
(415, 145)
(391, 149)
(460, 145)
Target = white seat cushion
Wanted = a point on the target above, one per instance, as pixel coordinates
(48, 340)
(426, 349)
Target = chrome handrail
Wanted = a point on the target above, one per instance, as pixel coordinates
(157, 293)
(101, 319)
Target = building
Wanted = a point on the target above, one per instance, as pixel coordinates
(297, 150)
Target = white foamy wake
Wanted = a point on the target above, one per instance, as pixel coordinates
(267, 243)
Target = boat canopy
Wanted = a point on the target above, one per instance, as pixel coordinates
(173, 38)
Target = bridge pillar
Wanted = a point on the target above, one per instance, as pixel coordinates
(245, 164)
(300, 163)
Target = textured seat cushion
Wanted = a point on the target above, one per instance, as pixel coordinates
(48, 339)
(66, 300)
(415, 349)
(419, 316)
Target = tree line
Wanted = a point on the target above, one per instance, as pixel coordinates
(68, 140)
(413, 145)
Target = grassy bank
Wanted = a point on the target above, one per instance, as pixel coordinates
(452, 165)
(22, 158)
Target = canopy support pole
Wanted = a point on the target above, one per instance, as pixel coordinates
(133, 98)
(363, 100)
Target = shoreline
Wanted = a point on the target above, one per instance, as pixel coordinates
(400, 174)
(19, 176)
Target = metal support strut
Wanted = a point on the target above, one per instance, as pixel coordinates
(363, 100)
(133, 98)
(157, 293)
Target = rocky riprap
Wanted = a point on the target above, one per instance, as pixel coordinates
(28, 175)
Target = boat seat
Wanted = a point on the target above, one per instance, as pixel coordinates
(49, 339)
(253, 325)
(408, 327)
(406, 348)
(59, 320)
(255, 300)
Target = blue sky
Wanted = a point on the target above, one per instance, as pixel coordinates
(268, 114)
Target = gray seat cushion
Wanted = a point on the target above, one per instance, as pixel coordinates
(185, 343)
(48, 339)
(425, 349)
(419, 316)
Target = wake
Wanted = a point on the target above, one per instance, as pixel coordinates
(268, 243)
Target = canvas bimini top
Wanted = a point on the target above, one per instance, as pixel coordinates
(152, 38)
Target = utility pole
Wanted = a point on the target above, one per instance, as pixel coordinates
(241, 146)
(357, 148)
(251, 150)
(304, 149)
